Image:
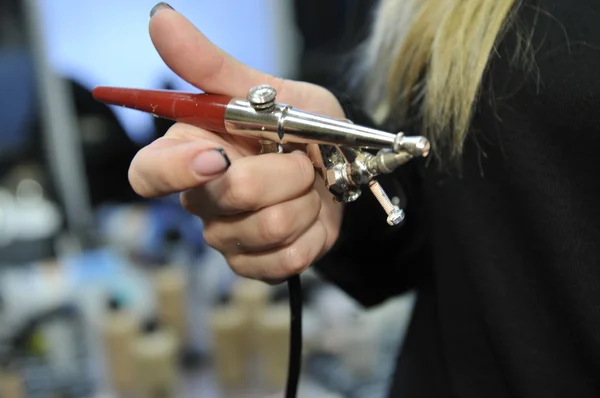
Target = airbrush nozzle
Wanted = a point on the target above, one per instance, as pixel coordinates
(387, 162)
(416, 146)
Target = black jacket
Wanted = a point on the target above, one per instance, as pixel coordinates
(506, 257)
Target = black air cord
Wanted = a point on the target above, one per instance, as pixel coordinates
(295, 354)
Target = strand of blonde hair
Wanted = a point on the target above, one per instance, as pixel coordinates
(427, 58)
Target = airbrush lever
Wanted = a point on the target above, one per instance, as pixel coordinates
(336, 147)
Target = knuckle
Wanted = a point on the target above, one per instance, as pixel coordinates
(272, 281)
(136, 181)
(277, 82)
(306, 171)
(219, 236)
(186, 201)
(242, 189)
(236, 265)
(315, 202)
(215, 69)
(296, 259)
(194, 202)
(176, 131)
(211, 237)
(276, 225)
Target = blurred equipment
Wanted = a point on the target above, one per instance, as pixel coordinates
(55, 138)
(17, 102)
(60, 128)
(106, 147)
(29, 219)
(59, 334)
(12, 384)
(48, 353)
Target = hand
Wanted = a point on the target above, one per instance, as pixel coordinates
(269, 215)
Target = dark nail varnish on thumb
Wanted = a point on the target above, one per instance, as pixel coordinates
(211, 162)
(157, 7)
(222, 152)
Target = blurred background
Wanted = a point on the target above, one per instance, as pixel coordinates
(103, 294)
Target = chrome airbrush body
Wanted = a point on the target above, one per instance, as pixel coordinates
(336, 147)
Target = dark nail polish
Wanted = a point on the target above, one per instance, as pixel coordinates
(210, 163)
(157, 7)
(222, 151)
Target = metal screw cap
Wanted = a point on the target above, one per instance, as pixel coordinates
(262, 97)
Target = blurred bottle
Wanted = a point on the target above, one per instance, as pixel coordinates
(155, 361)
(251, 297)
(119, 331)
(229, 335)
(273, 331)
(170, 285)
(62, 334)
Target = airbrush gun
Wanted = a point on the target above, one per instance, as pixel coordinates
(337, 148)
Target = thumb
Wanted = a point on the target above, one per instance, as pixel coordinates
(171, 165)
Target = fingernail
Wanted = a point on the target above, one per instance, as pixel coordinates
(211, 162)
(158, 7)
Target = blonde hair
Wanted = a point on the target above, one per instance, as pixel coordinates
(427, 58)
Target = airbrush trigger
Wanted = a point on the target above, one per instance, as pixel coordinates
(262, 98)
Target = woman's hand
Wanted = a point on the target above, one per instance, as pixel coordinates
(269, 215)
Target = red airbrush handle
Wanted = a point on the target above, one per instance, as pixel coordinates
(206, 111)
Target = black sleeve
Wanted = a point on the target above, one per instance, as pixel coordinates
(372, 261)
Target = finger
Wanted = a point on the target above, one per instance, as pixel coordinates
(275, 226)
(201, 63)
(170, 165)
(280, 264)
(252, 183)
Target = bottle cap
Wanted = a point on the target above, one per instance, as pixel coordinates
(150, 325)
(114, 304)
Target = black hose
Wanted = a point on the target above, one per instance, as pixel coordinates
(295, 358)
